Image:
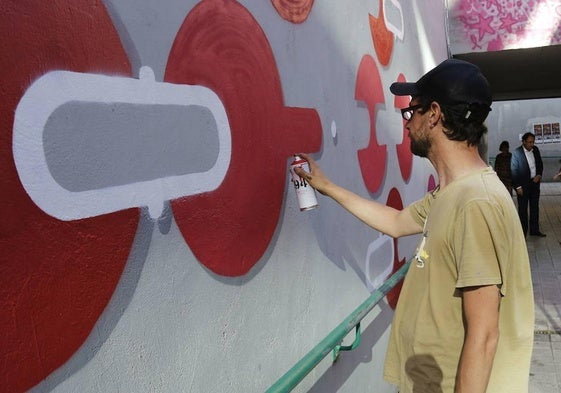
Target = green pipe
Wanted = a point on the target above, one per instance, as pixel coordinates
(299, 371)
(339, 348)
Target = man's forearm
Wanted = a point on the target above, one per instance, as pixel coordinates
(381, 217)
(386, 219)
(476, 363)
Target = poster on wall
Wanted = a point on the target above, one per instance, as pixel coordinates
(547, 133)
(538, 133)
(555, 132)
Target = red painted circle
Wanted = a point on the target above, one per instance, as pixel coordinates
(221, 46)
(55, 277)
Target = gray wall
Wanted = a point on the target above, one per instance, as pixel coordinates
(176, 319)
(509, 120)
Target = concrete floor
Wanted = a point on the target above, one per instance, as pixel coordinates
(545, 260)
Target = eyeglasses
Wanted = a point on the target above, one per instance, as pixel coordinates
(407, 113)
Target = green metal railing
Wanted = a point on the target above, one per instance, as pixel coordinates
(334, 339)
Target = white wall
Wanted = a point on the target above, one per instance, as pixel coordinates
(509, 120)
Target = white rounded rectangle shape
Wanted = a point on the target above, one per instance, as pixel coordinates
(398, 31)
(57, 88)
(379, 261)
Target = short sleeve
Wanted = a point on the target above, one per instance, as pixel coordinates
(419, 210)
(480, 245)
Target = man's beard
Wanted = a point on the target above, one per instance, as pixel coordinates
(420, 147)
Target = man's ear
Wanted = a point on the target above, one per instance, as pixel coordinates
(436, 113)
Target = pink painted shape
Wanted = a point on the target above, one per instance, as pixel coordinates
(507, 22)
(221, 46)
(496, 44)
(494, 25)
(483, 26)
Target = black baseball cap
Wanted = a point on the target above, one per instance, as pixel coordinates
(451, 82)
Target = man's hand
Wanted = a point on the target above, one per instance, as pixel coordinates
(315, 178)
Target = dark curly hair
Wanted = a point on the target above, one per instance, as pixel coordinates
(462, 122)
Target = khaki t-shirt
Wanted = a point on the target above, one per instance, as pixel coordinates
(472, 236)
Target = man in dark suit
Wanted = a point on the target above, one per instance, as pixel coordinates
(526, 166)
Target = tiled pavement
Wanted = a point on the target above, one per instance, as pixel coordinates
(545, 260)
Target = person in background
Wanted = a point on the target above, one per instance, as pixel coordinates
(464, 321)
(502, 165)
(526, 167)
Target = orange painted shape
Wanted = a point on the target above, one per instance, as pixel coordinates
(381, 37)
(295, 11)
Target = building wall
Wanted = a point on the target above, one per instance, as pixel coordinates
(485, 26)
(476, 26)
(151, 238)
(509, 120)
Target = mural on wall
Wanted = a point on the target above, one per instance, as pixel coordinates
(74, 190)
(494, 25)
(382, 258)
(73, 193)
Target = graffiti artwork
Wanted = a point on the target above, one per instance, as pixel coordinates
(89, 152)
(504, 24)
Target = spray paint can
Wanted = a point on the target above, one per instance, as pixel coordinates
(305, 193)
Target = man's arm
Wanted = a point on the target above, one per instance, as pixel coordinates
(481, 316)
(515, 171)
(539, 164)
(385, 219)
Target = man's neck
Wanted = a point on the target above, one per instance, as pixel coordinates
(453, 160)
